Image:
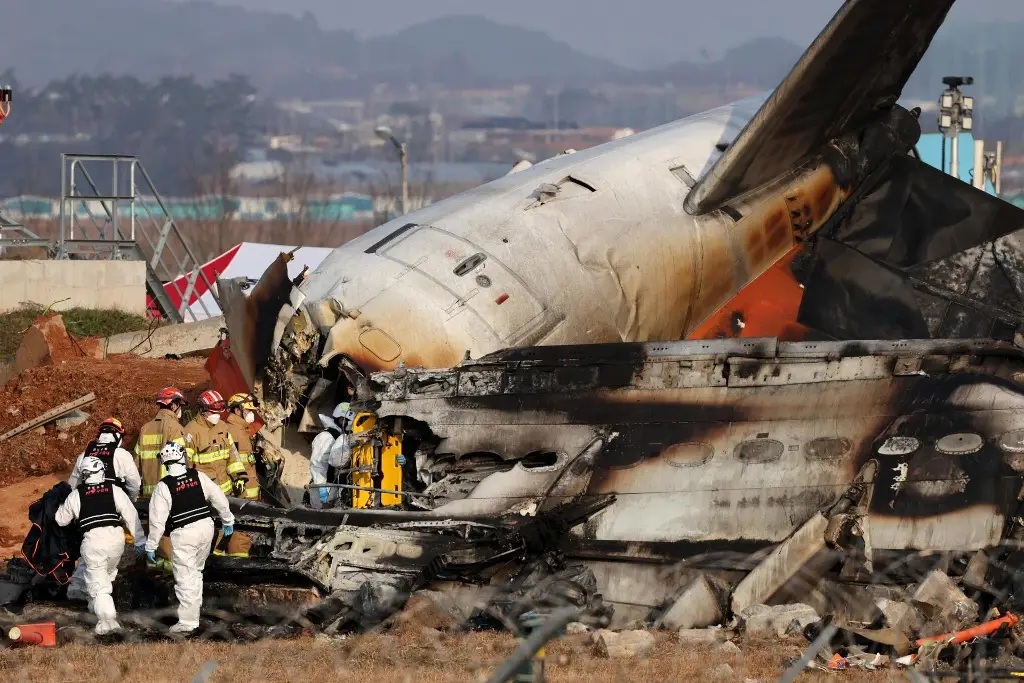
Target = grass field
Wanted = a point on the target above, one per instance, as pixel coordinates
(80, 322)
(415, 658)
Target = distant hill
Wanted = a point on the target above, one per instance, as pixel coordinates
(762, 62)
(47, 39)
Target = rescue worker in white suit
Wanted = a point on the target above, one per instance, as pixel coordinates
(120, 470)
(101, 508)
(331, 451)
(180, 506)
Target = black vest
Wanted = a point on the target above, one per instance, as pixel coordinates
(98, 508)
(105, 453)
(188, 500)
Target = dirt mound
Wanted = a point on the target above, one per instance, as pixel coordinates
(124, 387)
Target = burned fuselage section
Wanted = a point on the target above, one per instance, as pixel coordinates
(725, 441)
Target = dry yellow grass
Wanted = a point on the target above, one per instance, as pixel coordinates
(394, 659)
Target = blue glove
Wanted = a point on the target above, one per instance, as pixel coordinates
(228, 529)
(324, 493)
(140, 550)
(151, 556)
(400, 460)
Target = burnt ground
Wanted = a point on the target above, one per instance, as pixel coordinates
(425, 657)
(124, 388)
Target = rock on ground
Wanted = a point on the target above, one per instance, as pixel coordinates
(624, 645)
(72, 419)
(776, 620)
(728, 649)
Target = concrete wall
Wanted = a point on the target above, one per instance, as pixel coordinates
(87, 284)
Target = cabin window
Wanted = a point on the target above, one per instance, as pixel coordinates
(688, 454)
(959, 444)
(539, 460)
(899, 445)
(1012, 442)
(757, 451)
(828, 448)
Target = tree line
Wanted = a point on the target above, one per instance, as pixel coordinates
(181, 129)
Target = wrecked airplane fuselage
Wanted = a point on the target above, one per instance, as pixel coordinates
(720, 441)
(684, 457)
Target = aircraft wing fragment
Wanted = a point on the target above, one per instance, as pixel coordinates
(853, 72)
(920, 255)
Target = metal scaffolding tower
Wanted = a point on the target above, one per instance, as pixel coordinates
(125, 223)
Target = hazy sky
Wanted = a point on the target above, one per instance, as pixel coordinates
(632, 32)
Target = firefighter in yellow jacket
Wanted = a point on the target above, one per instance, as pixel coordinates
(163, 428)
(240, 418)
(209, 446)
(211, 451)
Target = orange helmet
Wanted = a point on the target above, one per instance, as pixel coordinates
(211, 402)
(112, 426)
(169, 396)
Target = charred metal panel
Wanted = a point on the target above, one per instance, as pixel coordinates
(712, 462)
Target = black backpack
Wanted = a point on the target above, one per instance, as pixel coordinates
(50, 549)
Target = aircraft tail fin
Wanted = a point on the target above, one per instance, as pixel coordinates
(853, 72)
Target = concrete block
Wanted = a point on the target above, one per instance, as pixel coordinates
(943, 604)
(181, 340)
(775, 621)
(783, 564)
(900, 616)
(697, 607)
(728, 649)
(625, 645)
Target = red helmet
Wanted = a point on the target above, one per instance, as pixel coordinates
(111, 426)
(212, 402)
(169, 396)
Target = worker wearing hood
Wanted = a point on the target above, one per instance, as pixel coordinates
(331, 451)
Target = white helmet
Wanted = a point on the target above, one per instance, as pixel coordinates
(93, 469)
(344, 410)
(172, 453)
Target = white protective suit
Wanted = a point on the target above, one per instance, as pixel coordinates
(328, 451)
(190, 545)
(124, 467)
(101, 552)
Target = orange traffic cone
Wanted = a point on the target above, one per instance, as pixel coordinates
(43, 635)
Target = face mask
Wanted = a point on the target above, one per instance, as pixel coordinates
(250, 417)
(178, 413)
(213, 418)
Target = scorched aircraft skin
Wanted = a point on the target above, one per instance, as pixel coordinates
(574, 281)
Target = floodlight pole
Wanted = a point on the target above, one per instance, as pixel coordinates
(956, 114)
